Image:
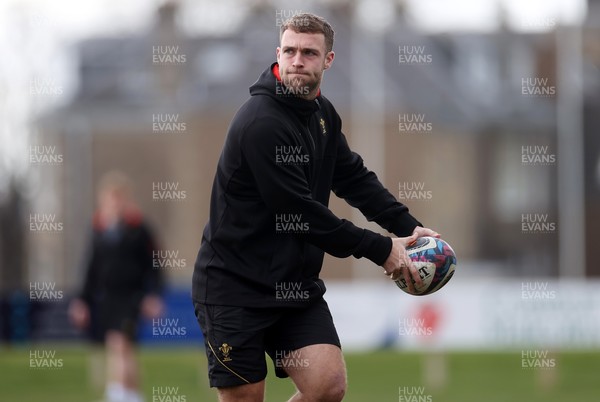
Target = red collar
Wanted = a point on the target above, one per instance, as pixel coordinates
(132, 218)
(278, 76)
(276, 72)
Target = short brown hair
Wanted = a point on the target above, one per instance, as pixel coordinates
(309, 23)
(115, 181)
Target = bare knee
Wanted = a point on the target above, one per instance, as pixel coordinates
(325, 380)
(117, 342)
(335, 390)
(331, 388)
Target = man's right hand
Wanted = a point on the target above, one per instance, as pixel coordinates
(398, 264)
(79, 313)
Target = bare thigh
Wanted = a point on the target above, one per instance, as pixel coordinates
(242, 393)
(318, 371)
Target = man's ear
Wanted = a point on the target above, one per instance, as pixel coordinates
(277, 53)
(329, 59)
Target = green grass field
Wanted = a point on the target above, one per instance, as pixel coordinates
(373, 377)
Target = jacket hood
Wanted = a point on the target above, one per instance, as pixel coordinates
(131, 217)
(269, 83)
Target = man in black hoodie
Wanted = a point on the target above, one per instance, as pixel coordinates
(256, 285)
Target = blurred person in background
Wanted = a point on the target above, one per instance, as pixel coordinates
(120, 283)
(256, 288)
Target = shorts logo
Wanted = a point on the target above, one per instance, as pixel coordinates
(323, 129)
(225, 349)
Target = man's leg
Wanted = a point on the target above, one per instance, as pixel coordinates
(319, 373)
(304, 345)
(235, 349)
(122, 364)
(243, 393)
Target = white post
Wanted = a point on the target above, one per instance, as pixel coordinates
(569, 118)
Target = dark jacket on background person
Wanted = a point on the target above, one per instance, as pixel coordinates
(269, 223)
(119, 274)
(120, 262)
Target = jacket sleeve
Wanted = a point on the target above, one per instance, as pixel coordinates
(153, 278)
(362, 189)
(91, 272)
(285, 190)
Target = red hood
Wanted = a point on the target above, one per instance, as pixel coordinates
(132, 217)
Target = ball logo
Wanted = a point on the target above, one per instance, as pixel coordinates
(425, 271)
(422, 243)
(435, 261)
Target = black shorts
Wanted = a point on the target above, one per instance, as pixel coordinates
(117, 313)
(236, 338)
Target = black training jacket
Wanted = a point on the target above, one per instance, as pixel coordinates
(121, 266)
(269, 222)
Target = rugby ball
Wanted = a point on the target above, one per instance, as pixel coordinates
(435, 260)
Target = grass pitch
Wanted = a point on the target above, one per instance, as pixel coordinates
(179, 375)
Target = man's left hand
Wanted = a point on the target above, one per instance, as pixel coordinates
(420, 231)
(152, 307)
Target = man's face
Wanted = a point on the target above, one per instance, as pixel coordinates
(113, 203)
(302, 59)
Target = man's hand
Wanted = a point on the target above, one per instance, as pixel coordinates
(398, 263)
(79, 313)
(152, 307)
(421, 232)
